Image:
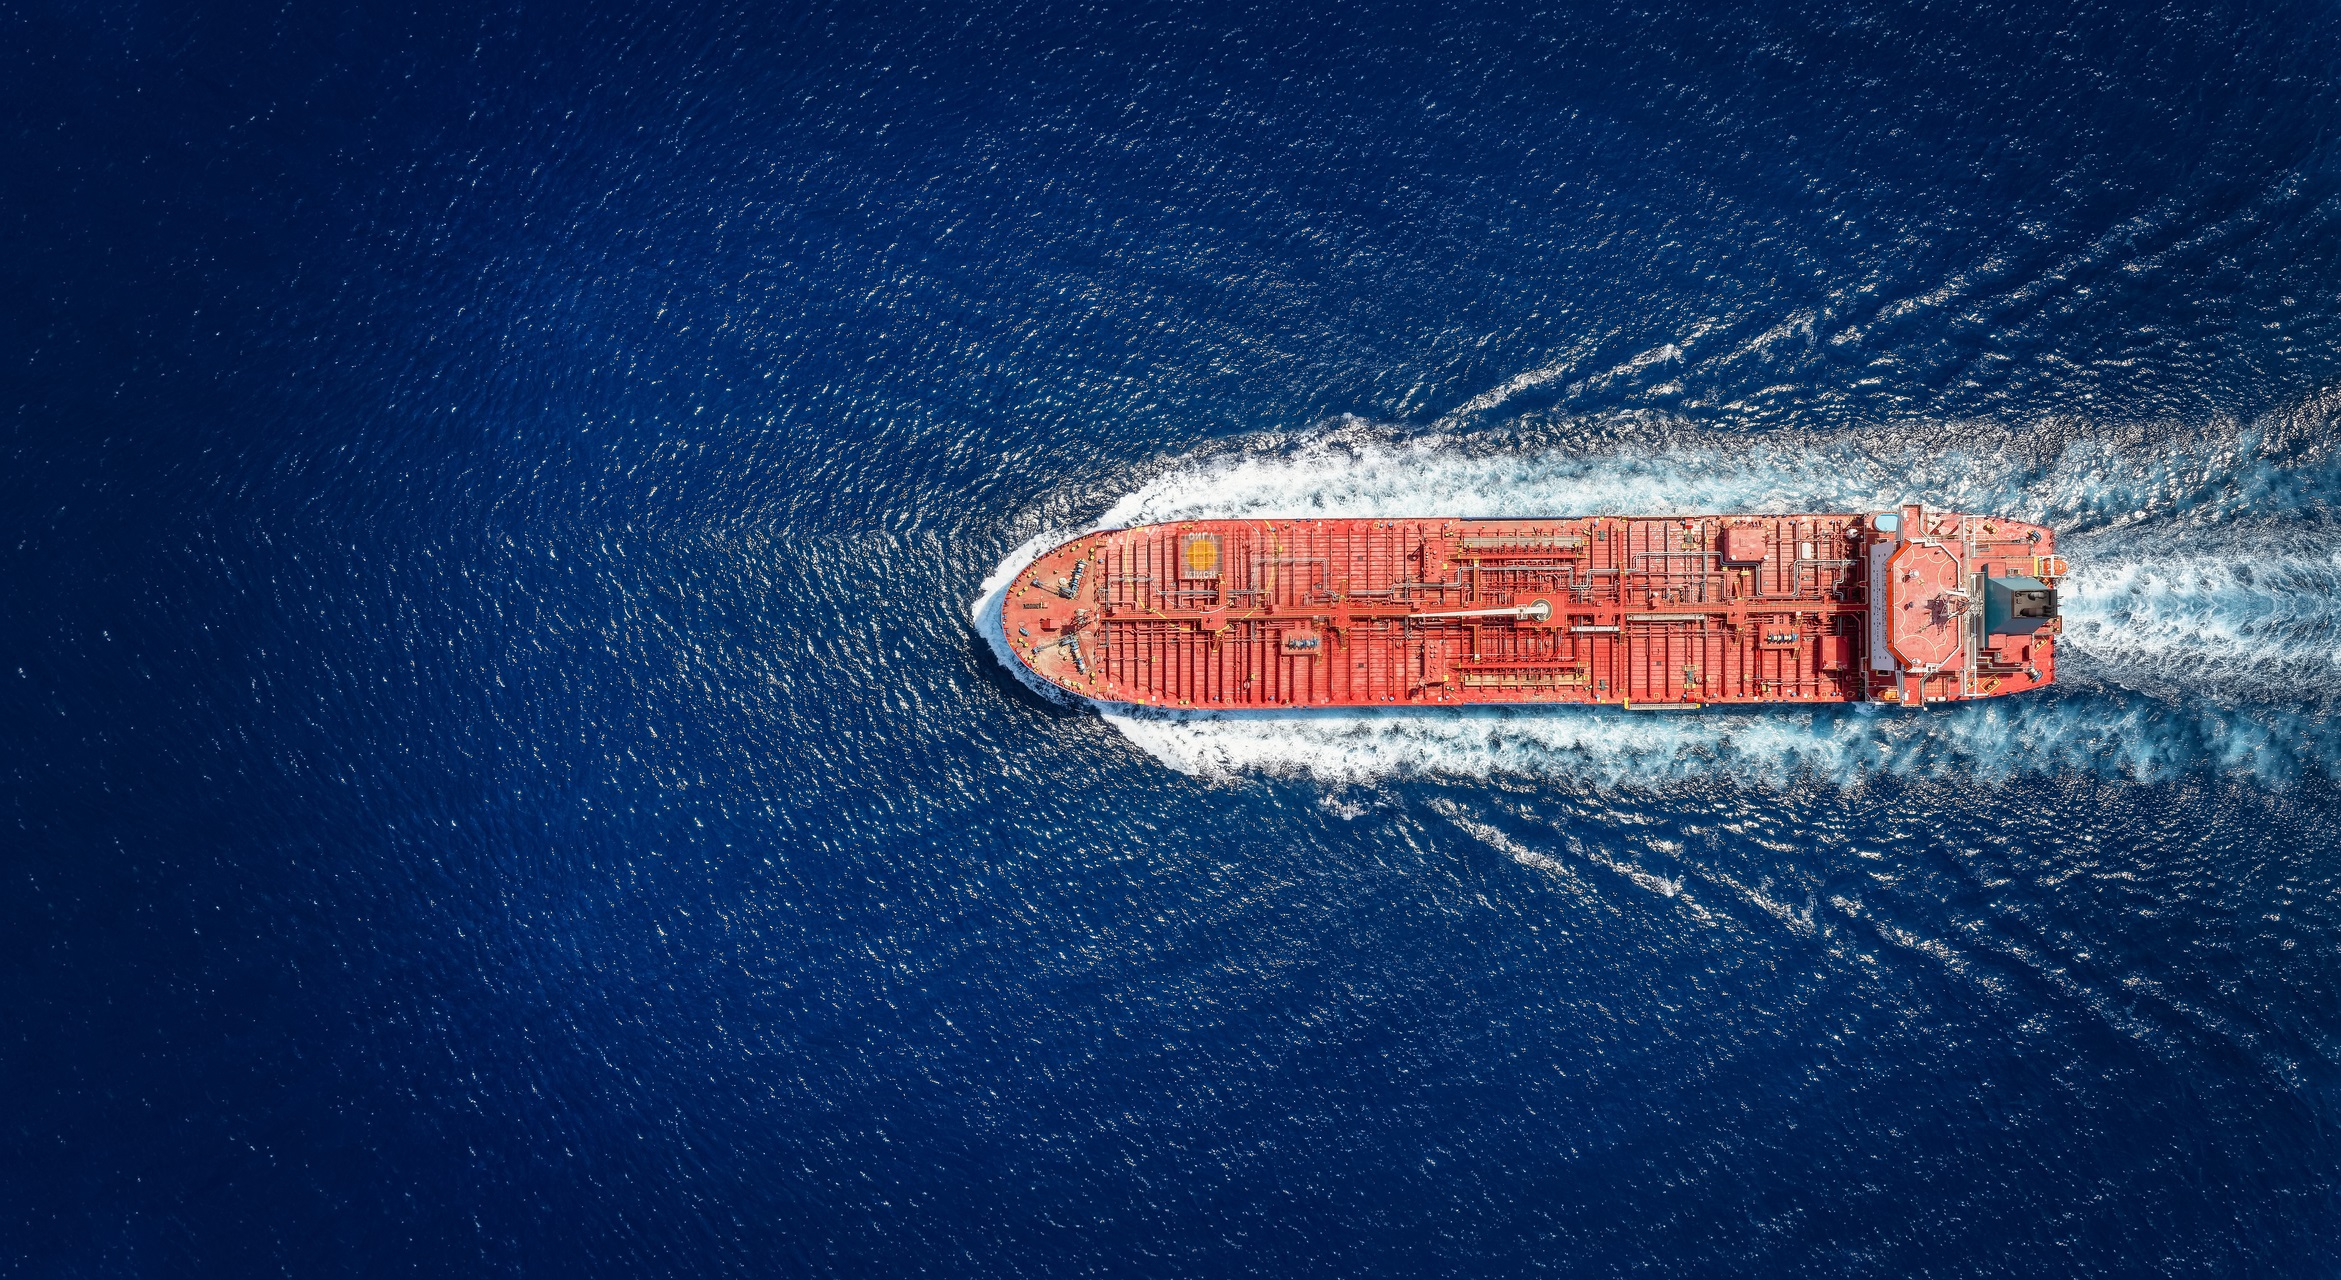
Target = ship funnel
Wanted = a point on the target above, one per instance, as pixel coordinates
(2017, 606)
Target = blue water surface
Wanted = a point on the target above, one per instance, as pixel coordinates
(504, 773)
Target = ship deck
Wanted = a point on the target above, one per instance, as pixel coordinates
(1642, 612)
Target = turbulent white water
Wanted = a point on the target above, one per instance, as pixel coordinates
(2203, 614)
(2263, 626)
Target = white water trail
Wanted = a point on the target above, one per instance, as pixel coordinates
(2176, 660)
(2262, 627)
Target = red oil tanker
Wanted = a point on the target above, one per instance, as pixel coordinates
(1911, 606)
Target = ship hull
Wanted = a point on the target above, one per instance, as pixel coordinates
(1908, 607)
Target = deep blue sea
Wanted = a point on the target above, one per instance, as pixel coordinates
(504, 770)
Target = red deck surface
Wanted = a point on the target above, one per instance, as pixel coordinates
(1681, 611)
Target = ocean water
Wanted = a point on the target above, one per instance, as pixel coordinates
(508, 769)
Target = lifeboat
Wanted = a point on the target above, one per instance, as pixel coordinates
(1908, 607)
